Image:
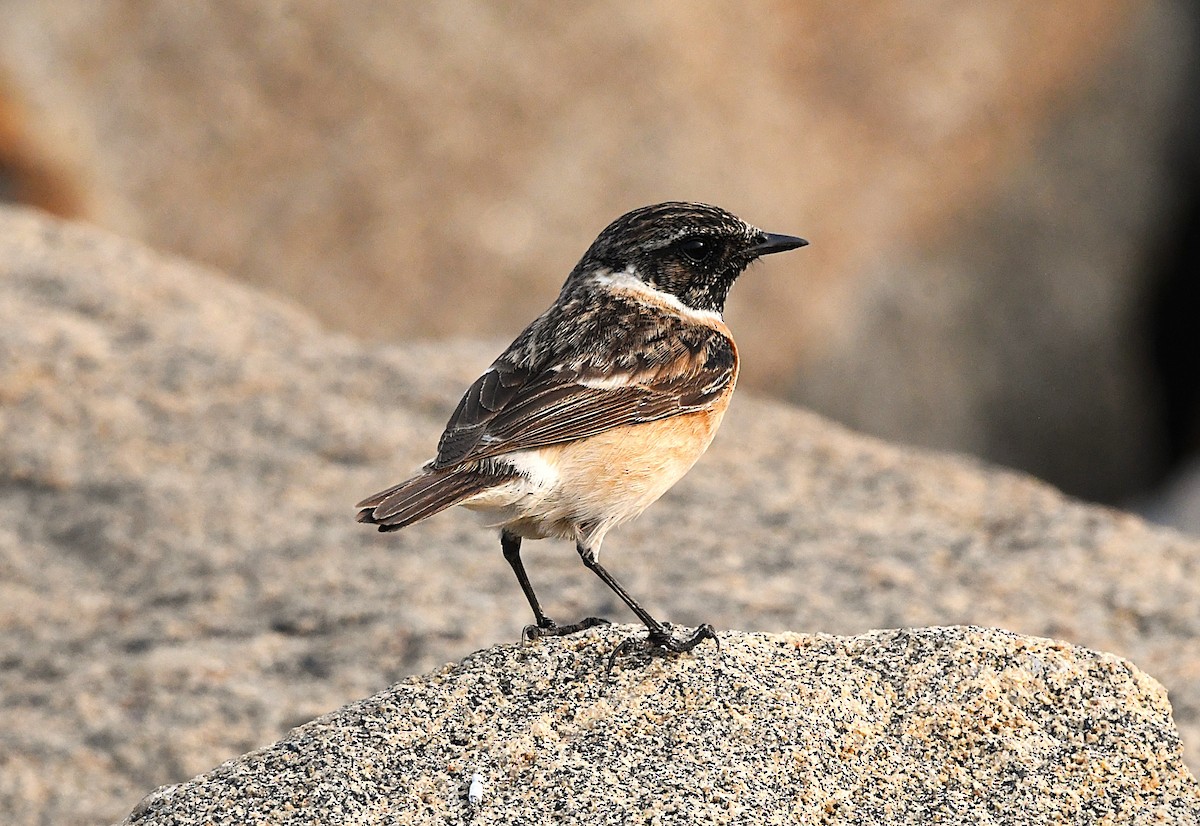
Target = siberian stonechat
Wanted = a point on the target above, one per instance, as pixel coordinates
(602, 403)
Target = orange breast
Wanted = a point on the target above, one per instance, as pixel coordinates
(581, 489)
(614, 476)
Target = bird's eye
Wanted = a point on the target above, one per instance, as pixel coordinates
(697, 249)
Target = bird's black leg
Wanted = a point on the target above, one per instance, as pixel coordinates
(511, 545)
(545, 627)
(660, 634)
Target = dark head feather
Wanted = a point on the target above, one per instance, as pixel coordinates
(692, 251)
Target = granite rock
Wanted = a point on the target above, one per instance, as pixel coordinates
(933, 725)
(182, 580)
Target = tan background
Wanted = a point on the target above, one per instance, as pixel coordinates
(983, 183)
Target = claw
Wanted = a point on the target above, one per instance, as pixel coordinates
(665, 640)
(552, 629)
(662, 639)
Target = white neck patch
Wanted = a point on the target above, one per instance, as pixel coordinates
(626, 281)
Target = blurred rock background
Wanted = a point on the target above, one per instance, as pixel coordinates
(1003, 200)
(1002, 197)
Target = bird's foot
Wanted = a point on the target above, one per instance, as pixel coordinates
(664, 639)
(661, 639)
(550, 628)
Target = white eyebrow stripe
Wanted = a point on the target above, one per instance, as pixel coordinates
(626, 281)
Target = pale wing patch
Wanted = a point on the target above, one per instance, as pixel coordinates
(613, 382)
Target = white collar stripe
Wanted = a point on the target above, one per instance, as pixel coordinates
(628, 282)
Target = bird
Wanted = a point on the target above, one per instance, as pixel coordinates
(602, 403)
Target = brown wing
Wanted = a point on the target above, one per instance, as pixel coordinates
(511, 407)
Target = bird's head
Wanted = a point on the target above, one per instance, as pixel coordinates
(693, 252)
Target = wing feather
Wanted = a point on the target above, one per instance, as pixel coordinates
(517, 407)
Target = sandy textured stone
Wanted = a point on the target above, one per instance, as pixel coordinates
(182, 581)
(935, 725)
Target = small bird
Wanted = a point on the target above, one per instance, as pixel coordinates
(603, 403)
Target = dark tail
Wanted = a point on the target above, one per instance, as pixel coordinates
(422, 496)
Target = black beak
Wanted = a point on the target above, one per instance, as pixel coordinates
(776, 243)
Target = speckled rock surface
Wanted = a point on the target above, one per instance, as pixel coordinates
(935, 725)
(182, 580)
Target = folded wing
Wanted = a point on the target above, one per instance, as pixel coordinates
(513, 407)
